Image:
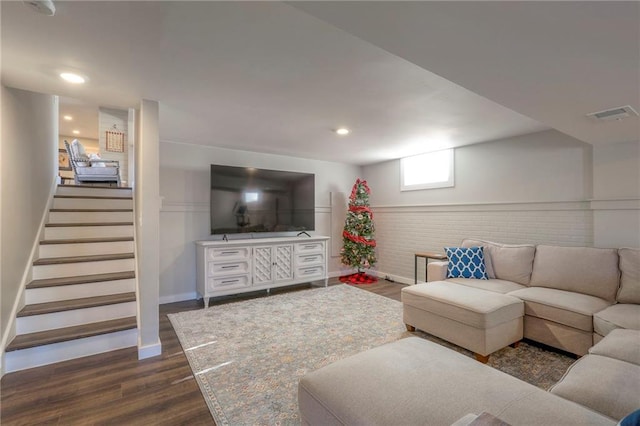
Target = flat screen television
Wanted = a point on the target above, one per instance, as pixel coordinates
(247, 200)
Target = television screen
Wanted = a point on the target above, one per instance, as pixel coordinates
(246, 199)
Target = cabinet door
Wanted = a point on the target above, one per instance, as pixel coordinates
(283, 268)
(262, 265)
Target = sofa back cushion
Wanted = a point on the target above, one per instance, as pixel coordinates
(585, 270)
(509, 262)
(630, 276)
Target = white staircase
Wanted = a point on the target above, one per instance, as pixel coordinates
(82, 299)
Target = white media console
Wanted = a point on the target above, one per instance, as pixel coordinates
(240, 266)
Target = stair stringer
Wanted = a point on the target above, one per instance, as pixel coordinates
(10, 330)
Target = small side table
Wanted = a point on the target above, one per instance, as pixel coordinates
(427, 255)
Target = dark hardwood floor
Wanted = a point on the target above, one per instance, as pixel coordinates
(117, 389)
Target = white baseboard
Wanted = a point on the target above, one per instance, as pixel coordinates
(395, 278)
(149, 351)
(178, 297)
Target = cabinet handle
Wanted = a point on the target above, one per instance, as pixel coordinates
(309, 271)
(309, 259)
(309, 246)
(229, 266)
(229, 281)
(229, 252)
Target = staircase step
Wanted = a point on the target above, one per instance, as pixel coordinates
(86, 240)
(91, 197)
(68, 305)
(66, 225)
(91, 202)
(81, 279)
(89, 210)
(94, 191)
(41, 338)
(59, 248)
(90, 216)
(80, 259)
(95, 187)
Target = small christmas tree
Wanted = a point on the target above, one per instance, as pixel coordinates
(358, 249)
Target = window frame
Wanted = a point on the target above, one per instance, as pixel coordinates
(431, 185)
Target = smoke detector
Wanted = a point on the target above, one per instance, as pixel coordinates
(45, 7)
(612, 114)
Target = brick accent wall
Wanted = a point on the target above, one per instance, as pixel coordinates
(404, 230)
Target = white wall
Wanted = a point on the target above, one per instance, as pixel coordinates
(147, 211)
(107, 118)
(28, 171)
(184, 217)
(543, 166)
(616, 194)
(528, 189)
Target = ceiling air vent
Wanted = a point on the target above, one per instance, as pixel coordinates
(618, 113)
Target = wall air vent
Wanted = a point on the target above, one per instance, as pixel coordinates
(618, 113)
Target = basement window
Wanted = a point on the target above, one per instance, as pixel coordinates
(427, 171)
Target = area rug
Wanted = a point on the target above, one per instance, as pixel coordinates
(248, 356)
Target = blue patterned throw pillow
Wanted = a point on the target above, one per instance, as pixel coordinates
(466, 263)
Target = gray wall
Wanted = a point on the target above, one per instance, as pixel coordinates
(616, 193)
(529, 189)
(28, 170)
(543, 166)
(184, 216)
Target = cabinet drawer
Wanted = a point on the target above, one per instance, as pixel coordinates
(227, 268)
(310, 272)
(303, 260)
(224, 283)
(230, 253)
(310, 247)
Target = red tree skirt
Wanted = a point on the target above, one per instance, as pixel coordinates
(359, 278)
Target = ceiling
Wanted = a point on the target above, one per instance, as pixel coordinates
(84, 118)
(405, 77)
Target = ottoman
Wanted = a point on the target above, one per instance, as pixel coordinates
(479, 320)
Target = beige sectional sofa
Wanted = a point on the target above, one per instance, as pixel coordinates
(414, 381)
(573, 296)
(565, 297)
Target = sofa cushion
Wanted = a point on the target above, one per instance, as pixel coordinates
(606, 385)
(416, 382)
(510, 262)
(477, 308)
(573, 309)
(620, 344)
(586, 270)
(629, 276)
(466, 262)
(622, 315)
(495, 285)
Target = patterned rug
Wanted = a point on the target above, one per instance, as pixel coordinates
(248, 356)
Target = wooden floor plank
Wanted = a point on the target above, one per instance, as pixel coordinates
(81, 279)
(81, 259)
(71, 304)
(85, 391)
(87, 240)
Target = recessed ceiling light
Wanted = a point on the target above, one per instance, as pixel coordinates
(72, 78)
(342, 131)
(68, 117)
(75, 132)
